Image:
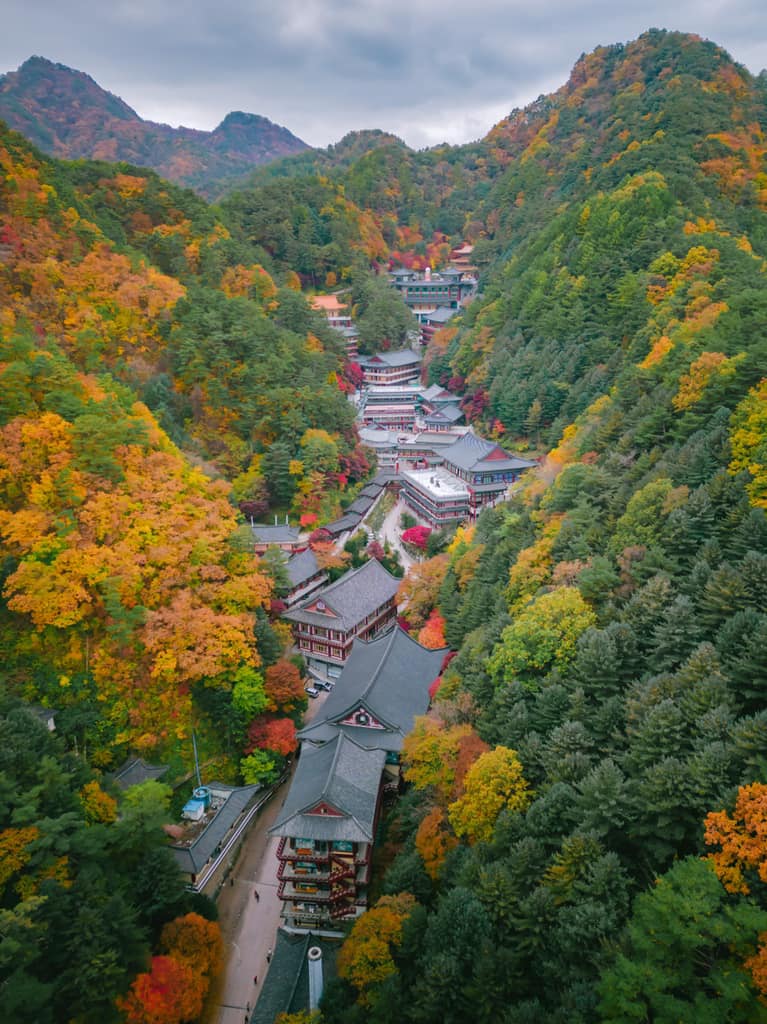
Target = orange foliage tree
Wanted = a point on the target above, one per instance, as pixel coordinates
(432, 633)
(419, 590)
(276, 734)
(430, 752)
(169, 993)
(284, 687)
(15, 850)
(434, 840)
(196, 942)
(742, 839)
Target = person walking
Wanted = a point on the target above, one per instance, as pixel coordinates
(256, 896)
(269, 956)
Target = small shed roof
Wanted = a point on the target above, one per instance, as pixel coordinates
(135, 770)
(193, 857)
(279, 533)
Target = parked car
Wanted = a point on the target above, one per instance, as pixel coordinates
(323, 684)
(312, 690)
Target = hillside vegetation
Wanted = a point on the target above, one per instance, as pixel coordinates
(584, 837)
(583, 840)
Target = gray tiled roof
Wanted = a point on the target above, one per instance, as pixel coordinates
(275, 534)
(341, 774)
(286, 986)
(302, 566)
(390, 676)
(371, 490)
(435, 391)
(134, 771)
(352, 597)
(347, 522)
(385, 476)
(397, 357)
(441, 315)
(194, 857)
(470, 452)
(448, 413)
(362, 504)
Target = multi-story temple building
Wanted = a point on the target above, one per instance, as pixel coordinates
(398, 366)
(460, 479)
(424, 292)
(349, 759)
(362, 603)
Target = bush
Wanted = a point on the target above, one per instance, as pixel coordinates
(418, 536)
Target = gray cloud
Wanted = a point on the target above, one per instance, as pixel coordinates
(429, 70)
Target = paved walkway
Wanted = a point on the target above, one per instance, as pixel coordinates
(390, 531)
(249, 925)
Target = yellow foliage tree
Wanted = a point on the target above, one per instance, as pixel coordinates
(748, 440)
(494, 783)
(430, 752)
(98, 806)
(366, 957)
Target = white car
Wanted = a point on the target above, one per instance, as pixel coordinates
(312, 690)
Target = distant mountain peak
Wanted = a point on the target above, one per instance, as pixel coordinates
(66, 113)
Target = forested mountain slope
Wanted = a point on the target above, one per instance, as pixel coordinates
(584, 837)
(67, 114)
(131, 601)
(651, 151)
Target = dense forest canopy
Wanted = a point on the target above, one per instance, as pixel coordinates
(583, 839)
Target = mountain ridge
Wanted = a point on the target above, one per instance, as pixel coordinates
(67, 114)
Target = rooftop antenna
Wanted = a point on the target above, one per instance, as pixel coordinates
(196, 759)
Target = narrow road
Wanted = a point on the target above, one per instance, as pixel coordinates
(249, 925)
(390, 531)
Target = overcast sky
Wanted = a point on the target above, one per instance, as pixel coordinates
(428, 70)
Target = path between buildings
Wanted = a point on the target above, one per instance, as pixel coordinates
(249, 925)
(390, 531)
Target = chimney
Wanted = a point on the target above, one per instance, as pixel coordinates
(314, 956)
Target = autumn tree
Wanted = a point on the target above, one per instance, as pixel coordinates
(170, 993)
(543, 635)
(742, 840)
(432, 633)
(366, 958)
(284, 688)
(274, 734)
(419, 591)
(494, 783)
(430, 752)
(97, 805)
(196, 942)
(434, 840)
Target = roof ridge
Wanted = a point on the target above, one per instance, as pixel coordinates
(331, 771)
(381, 662)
